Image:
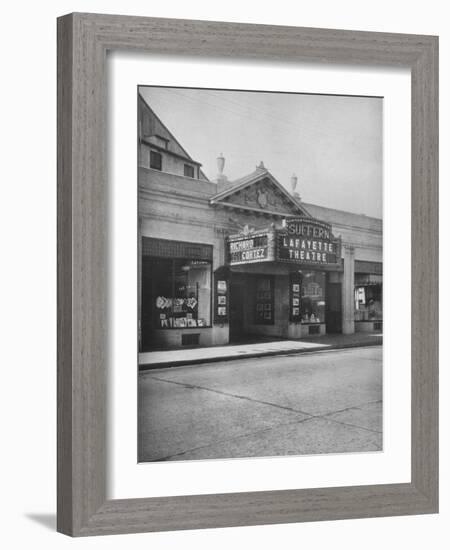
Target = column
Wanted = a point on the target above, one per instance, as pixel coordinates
(348, 288)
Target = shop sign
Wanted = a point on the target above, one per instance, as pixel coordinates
(250, 249)
(308, 241)
(163, 248)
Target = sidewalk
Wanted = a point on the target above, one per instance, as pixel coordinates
(178, 357)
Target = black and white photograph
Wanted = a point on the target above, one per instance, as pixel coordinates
(260, 274)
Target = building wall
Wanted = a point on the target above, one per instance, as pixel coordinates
(177, 208)
(364, 233)
(171, 164)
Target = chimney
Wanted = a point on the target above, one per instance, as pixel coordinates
(221, 177)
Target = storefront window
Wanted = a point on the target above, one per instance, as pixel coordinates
(181, 292)
(368, 302)
(312, 307)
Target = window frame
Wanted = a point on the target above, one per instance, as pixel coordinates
(156, 154)
(189, 167)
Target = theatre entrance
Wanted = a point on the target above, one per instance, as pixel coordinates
(252, 315)
(237, 301)
(333, 312)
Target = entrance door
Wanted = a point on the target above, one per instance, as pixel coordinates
(236, 310)
(333, 312)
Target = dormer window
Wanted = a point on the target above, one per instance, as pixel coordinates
(155, 160)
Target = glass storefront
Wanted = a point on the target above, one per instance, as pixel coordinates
(312, 303)
(176, 291)
(181, 292)
(368, 297)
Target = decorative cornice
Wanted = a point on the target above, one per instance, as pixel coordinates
(175, 195)
(188, 221)
(260, 175)
(253, 209)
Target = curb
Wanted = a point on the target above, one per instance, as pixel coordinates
(184, 362)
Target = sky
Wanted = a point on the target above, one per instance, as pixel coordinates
(332, 143)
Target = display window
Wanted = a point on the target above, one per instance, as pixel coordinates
(181, 292)
(312, 302)
(368, 302)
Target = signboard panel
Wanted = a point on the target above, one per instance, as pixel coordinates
(251, 249)
(307, 241)
(221, 296)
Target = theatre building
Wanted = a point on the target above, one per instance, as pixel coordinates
(233, 261)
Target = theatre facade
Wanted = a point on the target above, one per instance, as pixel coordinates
(233, 261)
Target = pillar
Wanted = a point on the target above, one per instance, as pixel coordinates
(348, 289)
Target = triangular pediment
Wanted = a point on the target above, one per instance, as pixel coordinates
(259, 192)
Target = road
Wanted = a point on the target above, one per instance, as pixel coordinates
(322, 402)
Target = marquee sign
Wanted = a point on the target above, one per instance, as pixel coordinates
(301, 241)
(252, 248)
(309, 241)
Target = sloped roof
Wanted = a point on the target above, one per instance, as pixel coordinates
(344, 218)
(151, 125)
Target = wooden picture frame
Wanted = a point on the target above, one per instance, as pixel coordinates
(83, 41)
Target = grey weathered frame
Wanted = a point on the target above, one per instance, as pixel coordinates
(83, 40)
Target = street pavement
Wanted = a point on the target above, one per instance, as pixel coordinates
(259, 348)
(217, 353)
(310, 403)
